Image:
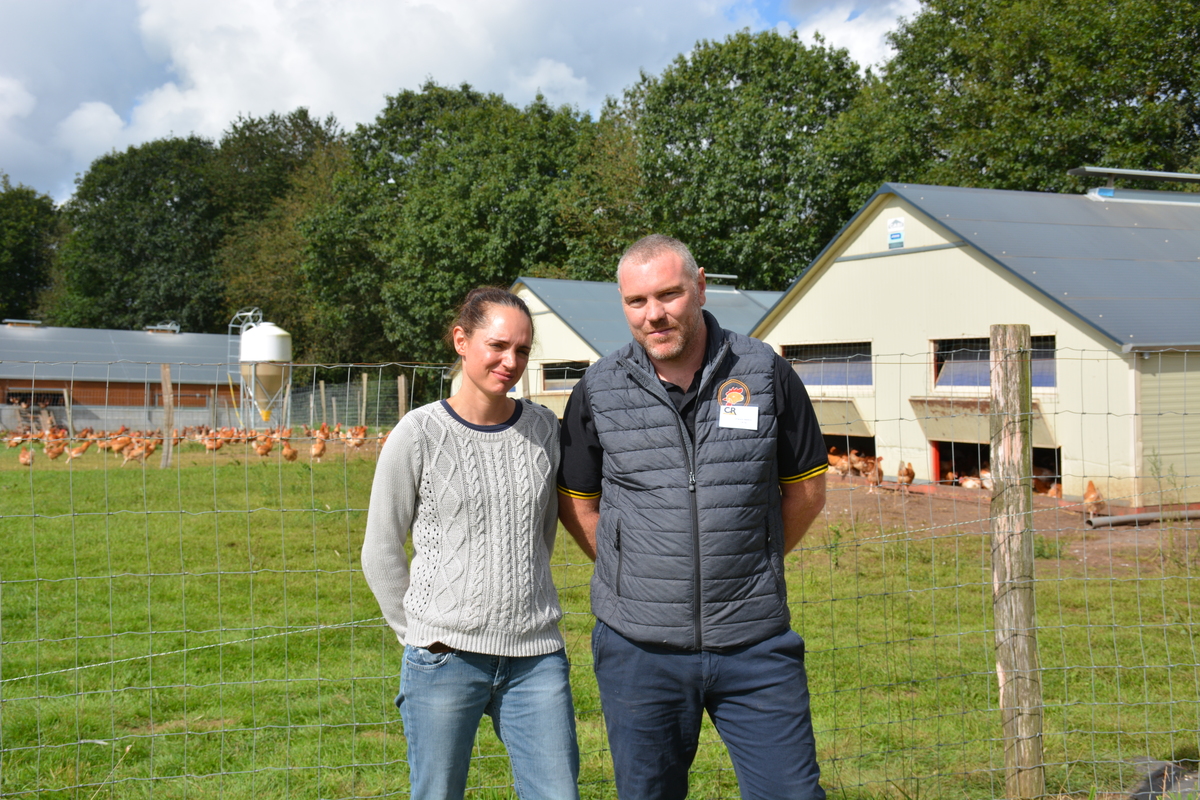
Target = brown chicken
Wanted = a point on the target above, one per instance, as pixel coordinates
(135, 452)
(76, 452)
(839, 463)
(985, 477)
(317, 451)
(905, 475)
(263, 448)
(860, 464)
(289, 453)
(970, 482)
(26, 456)
(1056, 491)
(874, 472)
(356, 437)
(1093, 500)
(55, 450)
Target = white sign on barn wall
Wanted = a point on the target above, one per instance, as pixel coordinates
(895, 233)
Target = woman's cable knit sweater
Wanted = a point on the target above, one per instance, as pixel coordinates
(483, 510)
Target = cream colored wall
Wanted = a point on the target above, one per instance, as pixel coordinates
(1169, 389)
(902, 302)
(553, 341)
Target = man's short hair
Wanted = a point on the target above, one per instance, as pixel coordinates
(651, 247)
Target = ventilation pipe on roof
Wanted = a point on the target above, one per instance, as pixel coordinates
(1110, 193)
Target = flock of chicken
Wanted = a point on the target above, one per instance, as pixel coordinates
(139, 445)
(871, 467)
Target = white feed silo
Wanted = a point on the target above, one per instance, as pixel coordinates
(266, 353)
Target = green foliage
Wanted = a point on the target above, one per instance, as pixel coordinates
(145, 225)
(258, 157)
(754, 150)
(1011, 94)
(600, 204)
(28, 229)
(269, 262)
(450, 189)
(726, 141)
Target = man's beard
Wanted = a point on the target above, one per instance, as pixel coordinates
(684, 334)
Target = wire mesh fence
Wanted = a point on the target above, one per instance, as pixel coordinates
(204, 630)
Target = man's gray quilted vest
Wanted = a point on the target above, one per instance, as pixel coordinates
(698, 570)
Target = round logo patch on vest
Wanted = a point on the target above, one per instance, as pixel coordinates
(733, 393)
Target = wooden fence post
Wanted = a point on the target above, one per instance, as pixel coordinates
(322, 402)
(402, 395)
(1013, 605)
(168, 396)
(67, 403)
(362, 415)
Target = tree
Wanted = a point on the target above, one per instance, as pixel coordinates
(28, 230)
(269, 262)
(145, 226)
(449, 189)
(725, 146)
(601, 203)
(258, 156)
(1010, 94)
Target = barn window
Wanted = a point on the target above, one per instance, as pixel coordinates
(840, 364)
(967, 362)
(560, 375)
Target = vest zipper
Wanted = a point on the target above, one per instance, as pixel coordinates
(620, 558)
(689, 455)
(688, 445)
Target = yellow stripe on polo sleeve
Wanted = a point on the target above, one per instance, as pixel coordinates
(578, 495)
(820, 469)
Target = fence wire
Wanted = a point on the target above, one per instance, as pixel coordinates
(203, 630)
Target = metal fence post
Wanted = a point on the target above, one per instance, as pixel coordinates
(1013, 601)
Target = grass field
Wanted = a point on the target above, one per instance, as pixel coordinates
(204, 631)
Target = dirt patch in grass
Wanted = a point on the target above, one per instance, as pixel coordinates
(1063, 544)
(185, 725)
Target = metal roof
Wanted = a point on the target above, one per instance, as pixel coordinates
(593, 308)
(1129, 269)
(88, 354)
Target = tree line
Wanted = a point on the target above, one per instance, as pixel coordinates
(755, 150)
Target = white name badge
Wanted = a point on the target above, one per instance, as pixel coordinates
(743, 417)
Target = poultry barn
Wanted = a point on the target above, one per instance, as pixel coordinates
(1109, 284)
(79, 378)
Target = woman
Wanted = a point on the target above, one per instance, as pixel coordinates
(473, 478)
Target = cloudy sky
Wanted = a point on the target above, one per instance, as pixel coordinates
(79, 78)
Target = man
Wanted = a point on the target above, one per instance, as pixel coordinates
(692, 462)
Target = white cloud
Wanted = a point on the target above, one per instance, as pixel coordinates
(234, 56)
(90, 130)
(553, 79)
(15, 100)
(128, 71)
(859, 28)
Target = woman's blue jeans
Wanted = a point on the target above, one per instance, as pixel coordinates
(443, 696)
